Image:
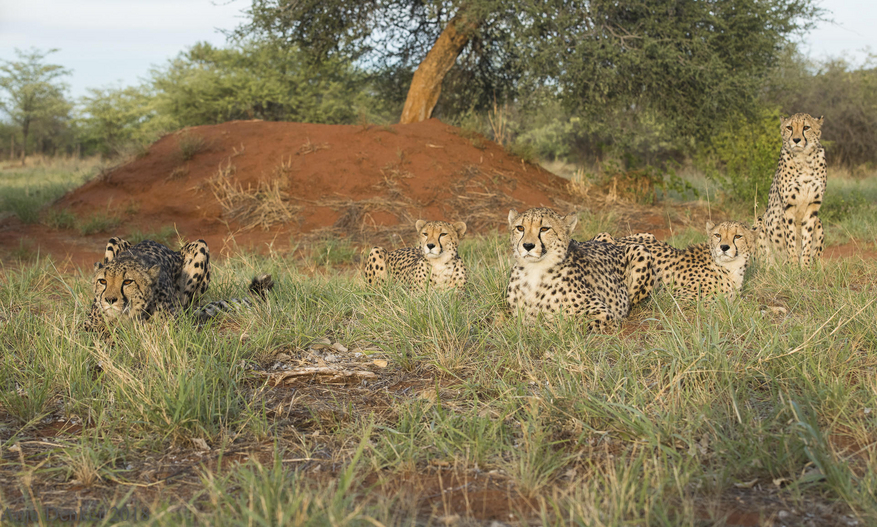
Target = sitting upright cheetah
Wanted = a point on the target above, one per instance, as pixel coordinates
(713, 267)
(554, 273)
(133, 282)
(792, 229)
(434, 262)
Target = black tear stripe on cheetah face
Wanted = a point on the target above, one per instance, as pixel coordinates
(434, 263)
(792, 230)
(134, 282)
(553, 273)
(705, 269)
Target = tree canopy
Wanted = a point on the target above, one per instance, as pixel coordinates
(688, 60)
(34, 92)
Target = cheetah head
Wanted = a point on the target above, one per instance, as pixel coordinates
(536, 233)
(801, 132)
(439, 239)
(122, 290)
(731, 241)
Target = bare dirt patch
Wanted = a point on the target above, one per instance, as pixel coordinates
(304, 180)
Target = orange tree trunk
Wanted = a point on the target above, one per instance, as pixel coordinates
(426, 86)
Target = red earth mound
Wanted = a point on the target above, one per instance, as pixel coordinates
(227, 183)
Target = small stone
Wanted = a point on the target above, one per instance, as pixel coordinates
(330, 357)
(783, 515)
(339, 347)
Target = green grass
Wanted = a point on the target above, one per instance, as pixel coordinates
(25, 190)
(688, 408)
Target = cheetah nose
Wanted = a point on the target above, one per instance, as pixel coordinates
(797, 140)
(430, 246)
(724, 248)
(111, 300)
(529, 246)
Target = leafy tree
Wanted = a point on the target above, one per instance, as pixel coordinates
(35, 95)
(111, 119)
(690, 61)
(844, 95)
(207, 85)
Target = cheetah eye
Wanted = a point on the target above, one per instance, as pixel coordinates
(520, 228)
(738, 236)
(101, 281)
(806, 128)
(128, 282)
(717, 235)
(789, 128)
(443, 234)
(543, 229)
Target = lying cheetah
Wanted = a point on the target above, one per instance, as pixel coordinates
(434, 263)
(133, 282)
(554, 273)
(792, 228)
(713, 267)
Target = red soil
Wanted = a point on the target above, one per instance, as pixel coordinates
(354, 181)
(364, 183)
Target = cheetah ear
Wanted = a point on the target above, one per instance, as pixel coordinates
(419, 224)
(709, 225)
(512, 215)
(460, 227)
(98, 266)
(153, 271)
(571, 220)
(820, 120)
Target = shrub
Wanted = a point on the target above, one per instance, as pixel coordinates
(742, 158)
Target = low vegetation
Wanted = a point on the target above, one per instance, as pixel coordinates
(689, 415)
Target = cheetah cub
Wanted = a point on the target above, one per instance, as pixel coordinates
(433, 263)
(554, 273)
(713, 267)
(792, 228)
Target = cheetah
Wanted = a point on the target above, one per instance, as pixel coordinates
(434, 263)
(554, 273)
(713, 267)
(135, 282)
(792, 228)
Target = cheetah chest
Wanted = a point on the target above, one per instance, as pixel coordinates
(536, 287)
(442, 273)
(807, 186)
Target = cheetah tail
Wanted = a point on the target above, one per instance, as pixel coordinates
(261, 285)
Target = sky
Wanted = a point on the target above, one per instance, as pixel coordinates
(115, 42)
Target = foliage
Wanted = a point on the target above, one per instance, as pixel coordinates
(688, 63)
(844, 95)
(209, 85)
(112, 119)
(34, 93)
(742, 157)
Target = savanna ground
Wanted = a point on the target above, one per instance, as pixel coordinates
(442, 408)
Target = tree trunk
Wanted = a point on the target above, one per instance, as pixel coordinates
(24, 130)
(426, 86)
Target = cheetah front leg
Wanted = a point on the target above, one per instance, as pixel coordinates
(376, 266)
(790, 233)
(602, 323)
(194, 277)
(639, 272)
(812, 235)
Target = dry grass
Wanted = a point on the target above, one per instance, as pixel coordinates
(266, 205)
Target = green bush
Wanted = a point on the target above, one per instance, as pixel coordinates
(742, 159)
